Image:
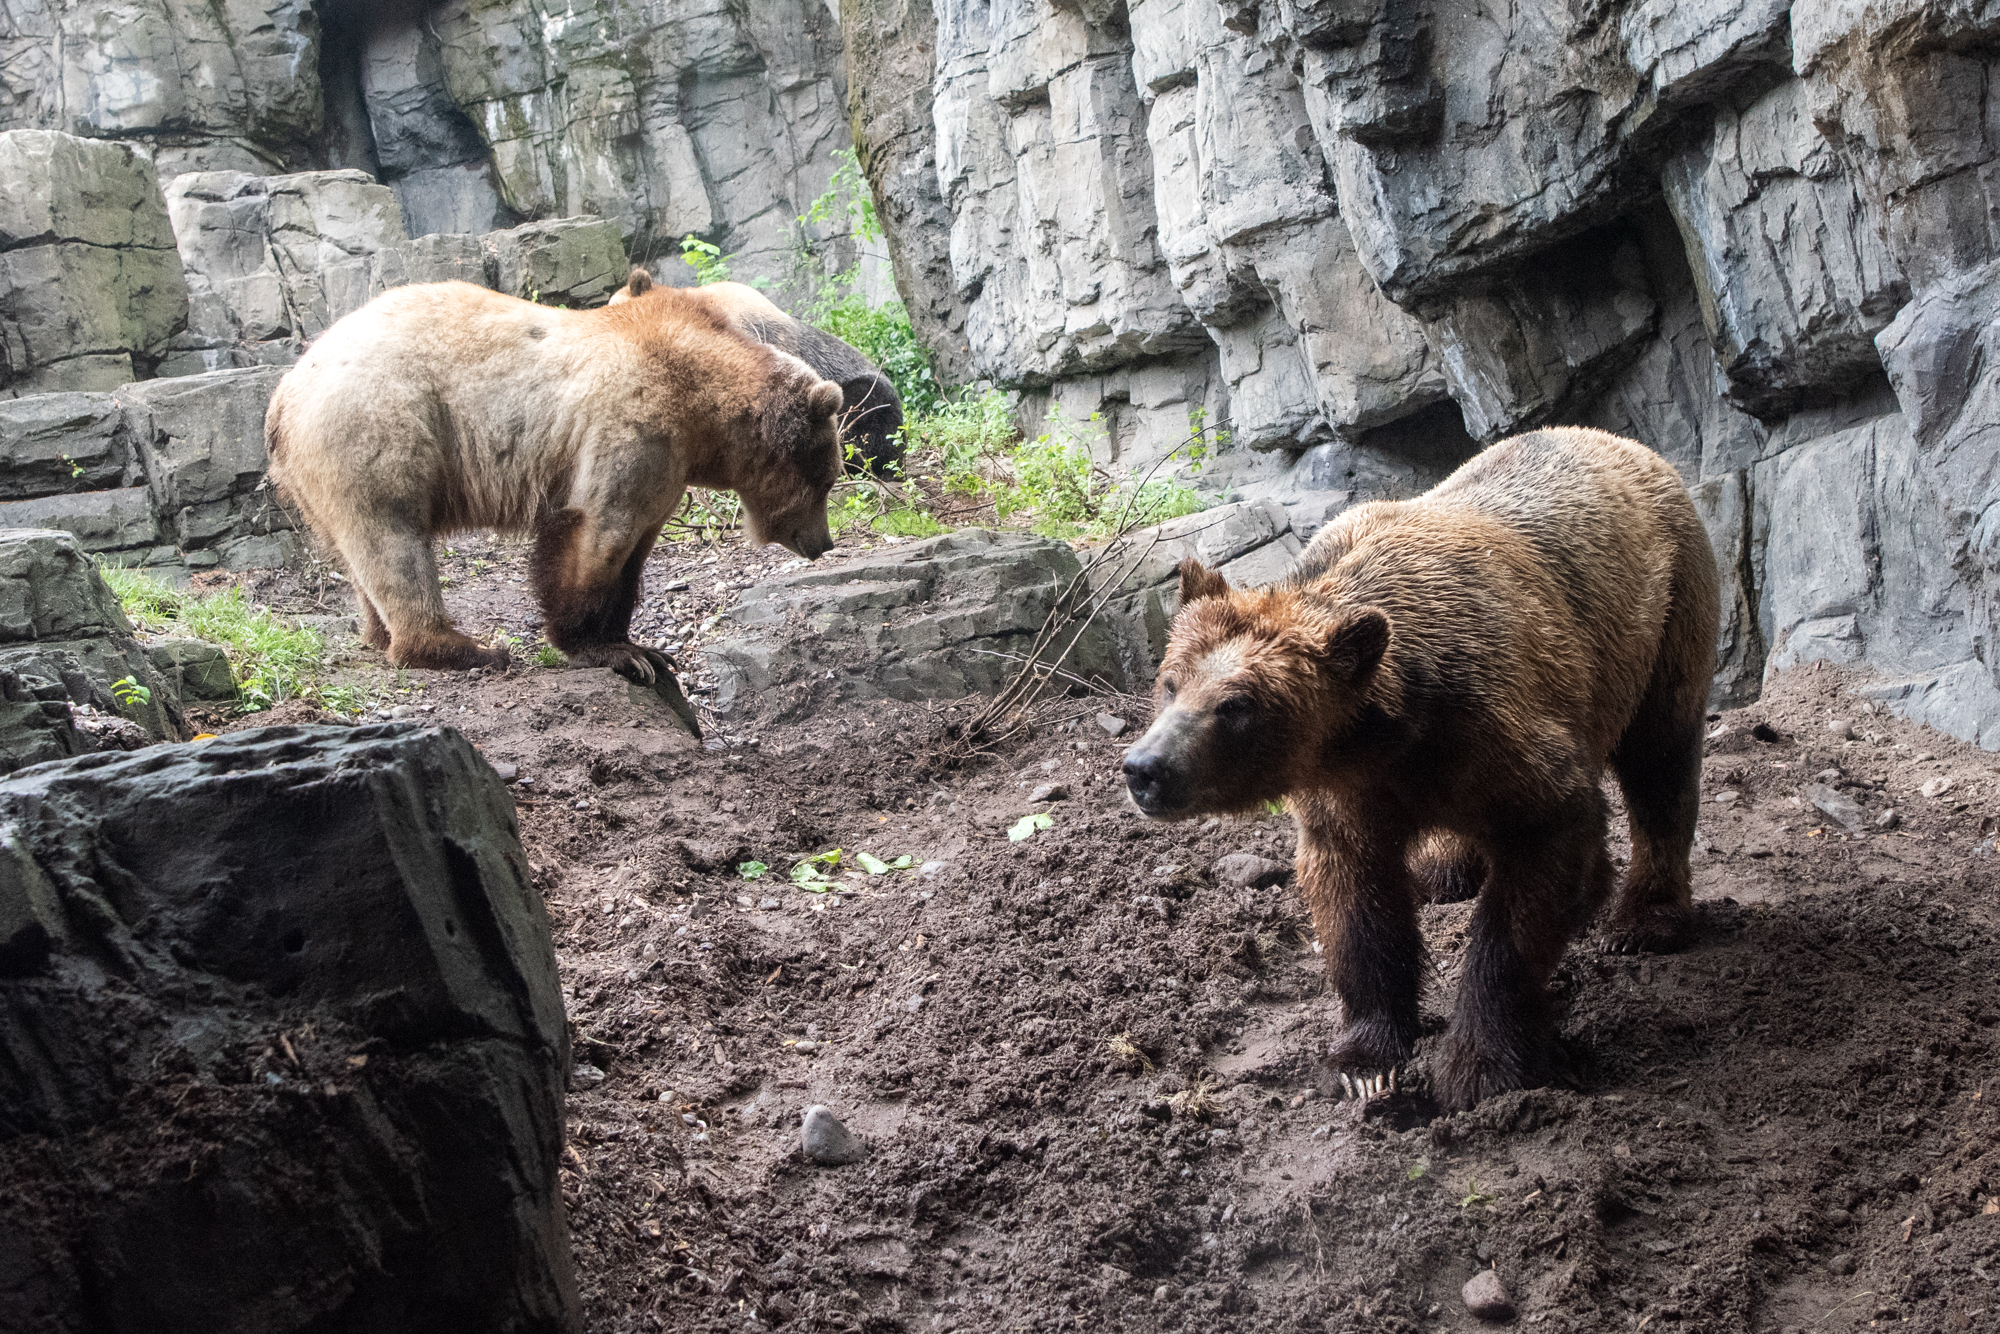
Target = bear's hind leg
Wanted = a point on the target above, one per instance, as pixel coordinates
(1357, 883)
(1658, 764)
(1658, 761)
(397, 575)
(1544, 886)
(374, 631)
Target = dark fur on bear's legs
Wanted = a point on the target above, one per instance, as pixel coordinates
(592, 623)
(1548, 878)
(1357, 883)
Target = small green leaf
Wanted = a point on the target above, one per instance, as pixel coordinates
(872, 864)
(1418, 1168)
(1026, 826)
(752, 870)
(903, 863)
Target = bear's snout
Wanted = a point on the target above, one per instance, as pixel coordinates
(1148, 777)
(811, 545)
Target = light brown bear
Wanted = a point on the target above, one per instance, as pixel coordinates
(444, 407)
(1464, 664)
(871, 419)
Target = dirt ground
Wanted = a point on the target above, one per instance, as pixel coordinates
(1089, 1075)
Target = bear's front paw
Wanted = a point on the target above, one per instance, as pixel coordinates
(1657, 930)
(1368, 1055)
(634, 662)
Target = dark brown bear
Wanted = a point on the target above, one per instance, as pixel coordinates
(1463, 665)
(871, 418)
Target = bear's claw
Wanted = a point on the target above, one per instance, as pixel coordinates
(1370, 1084)
(1654, 931)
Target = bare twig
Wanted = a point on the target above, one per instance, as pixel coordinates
(1069, 618)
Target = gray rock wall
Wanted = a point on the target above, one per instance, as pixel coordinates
(719, 119)
(1759, 238)
(1363, 238)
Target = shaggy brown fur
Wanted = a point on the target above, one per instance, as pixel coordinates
(444, 407)
(1462, 667)
(871, 419)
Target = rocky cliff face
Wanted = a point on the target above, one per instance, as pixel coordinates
(1365, 236)
(1372, 236)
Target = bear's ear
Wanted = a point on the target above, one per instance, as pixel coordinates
(824, 399)
(1198, 582)
(640, 283)
(1354, 645)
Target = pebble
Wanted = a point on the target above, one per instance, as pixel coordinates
(1842, 1264)
(1841, 729)
(1727, 797)
(1935, 787)
(1889, 819)
(508, 772)
(586, 1076)
(826, 1141)
(1112, 724)
(766, 905)
(1485, 1298)
(1242, 870)
(1048, 792)
(930, 868)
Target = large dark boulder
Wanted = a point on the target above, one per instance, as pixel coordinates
(281, 1043)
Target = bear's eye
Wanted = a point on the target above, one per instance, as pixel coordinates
(1236, 709)
(1170, 686)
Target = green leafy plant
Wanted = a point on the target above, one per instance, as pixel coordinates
(130, 694)
(1027, 825)
(876, 866)
(815, 873)
(1417, 1169)
(75, 468)
(752, 870)
(548, 655)
(1473, 1195)
(710, 265)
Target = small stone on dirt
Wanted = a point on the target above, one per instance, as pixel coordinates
(1485, 1298)
(586, 1076)
(826, 1141)
(1841, 1264)
(1726, 797)
(1889, 819)
(1835, 805)
(1048, 792)
(1935, 787)
(1244, 870)
(1841, 729)
(508, 772)
(1112, 724)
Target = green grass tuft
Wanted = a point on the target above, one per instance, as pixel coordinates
(272, 661)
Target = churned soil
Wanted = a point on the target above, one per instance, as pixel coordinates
(1088, 1070)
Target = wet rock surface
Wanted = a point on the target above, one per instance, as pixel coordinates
(277, 1004)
